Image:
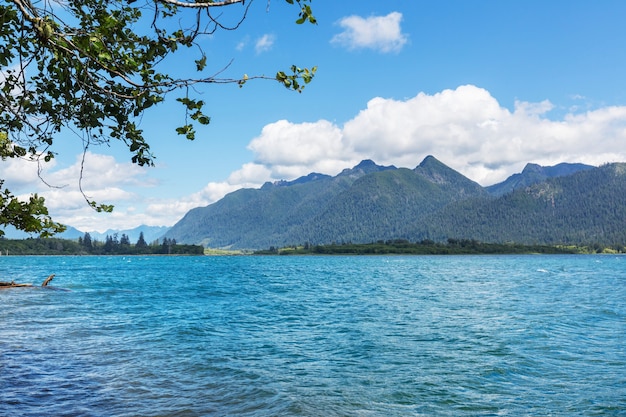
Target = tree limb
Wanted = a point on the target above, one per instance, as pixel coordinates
(201, 5)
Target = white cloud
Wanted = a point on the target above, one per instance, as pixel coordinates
(168, 211)
(466, 128)
(18, 173)
(99, 171)
(242, 44)
(264, 43)
(381, 33)
(288, 149)
(104, 180)
(249, 173)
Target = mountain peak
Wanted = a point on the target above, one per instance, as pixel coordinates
(530, 167)
(431, 162)
(366, 166)
(313, 176)
(366, 163)
(439, 173)
(533, 174)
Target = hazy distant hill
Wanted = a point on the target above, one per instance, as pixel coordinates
(11, 233)
(567, 203)
(150, 233)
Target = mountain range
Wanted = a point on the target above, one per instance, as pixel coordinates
(150, 233)
(566, 203)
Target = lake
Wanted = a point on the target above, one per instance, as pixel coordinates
(314, 336)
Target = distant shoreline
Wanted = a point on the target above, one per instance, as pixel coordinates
(58, 246)
(453, 247)
(65, 247)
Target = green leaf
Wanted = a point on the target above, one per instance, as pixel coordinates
(104, 56)
(49, 156)
(183, 129)
(187, 130)
(201, 63)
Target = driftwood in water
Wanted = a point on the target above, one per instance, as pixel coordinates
(14, 284)
(45, 283)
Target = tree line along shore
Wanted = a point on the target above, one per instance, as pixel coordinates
(429, 247)
(122, 246)
(112, 245)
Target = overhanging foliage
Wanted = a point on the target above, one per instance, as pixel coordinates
(92, 67)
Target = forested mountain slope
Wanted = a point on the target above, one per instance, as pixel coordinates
(257, 218)
(366, 202)
(568, 203)
(583, 208)
(380, 206)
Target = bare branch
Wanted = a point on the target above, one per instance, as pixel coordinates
(29, 12)
(200, 5)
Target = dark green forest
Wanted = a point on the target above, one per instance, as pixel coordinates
(588, 208)
(429, 247)
(113, 245)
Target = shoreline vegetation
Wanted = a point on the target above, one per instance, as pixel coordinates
(82, 246)
(113, 246)
(428, 247)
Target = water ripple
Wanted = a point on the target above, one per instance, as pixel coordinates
(309, 336)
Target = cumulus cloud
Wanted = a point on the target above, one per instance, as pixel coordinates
(287, 149)
(18, 173)
(264, 43)
(99, 171)
(104, 180)
(466, 128)
(381, 33)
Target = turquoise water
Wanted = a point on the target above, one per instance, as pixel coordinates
(314, 336)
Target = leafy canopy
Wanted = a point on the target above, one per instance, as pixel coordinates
(92, 67)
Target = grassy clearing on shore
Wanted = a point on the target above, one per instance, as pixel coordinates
(223, 252)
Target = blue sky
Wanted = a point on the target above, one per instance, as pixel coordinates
(484, 86)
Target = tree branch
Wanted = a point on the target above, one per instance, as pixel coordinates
(201, 5)
(28, 11)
